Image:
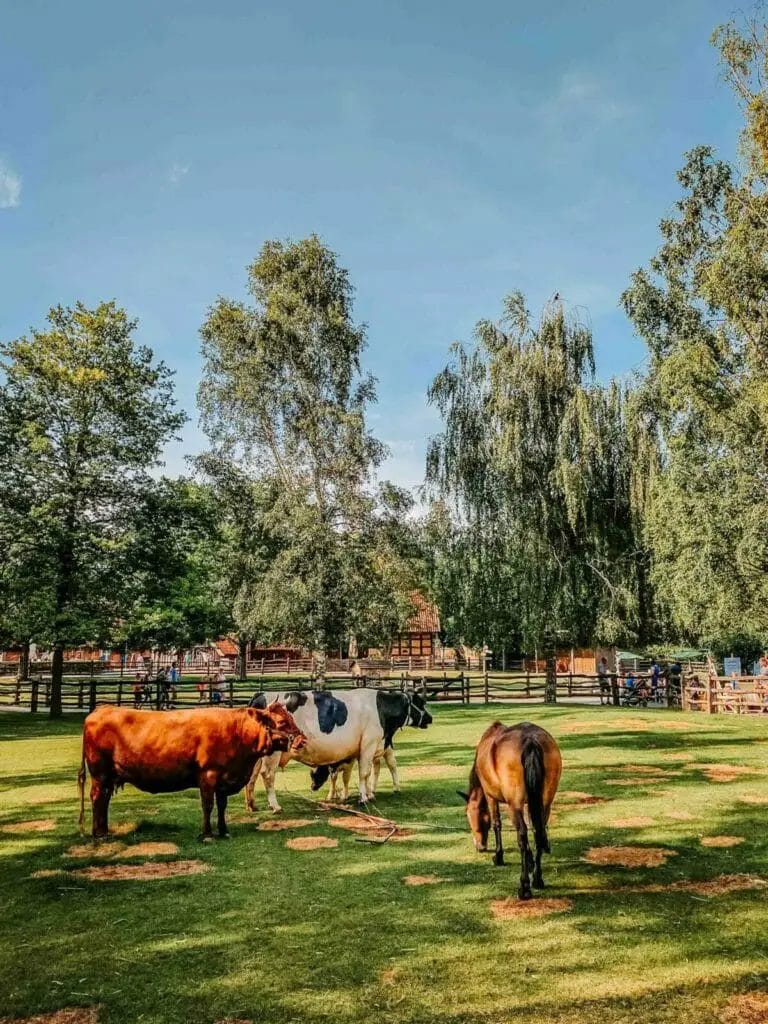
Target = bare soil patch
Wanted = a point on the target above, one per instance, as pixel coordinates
(124, 828)
(576, 797)
(638, 822)
(72, 1015)
(724, 772)
(353, 824)
(280, 824)
(100, 850)
(723, 885)
(749, 798)
(146, 872)
(628, 856)
(722, 841)
(149, 850)
(644, 769)
(423, 879)
(37, 825)
(47, 873)
(749, 1008)
(503, 910)
(305, 843)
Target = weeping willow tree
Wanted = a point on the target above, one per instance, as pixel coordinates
(535, 460)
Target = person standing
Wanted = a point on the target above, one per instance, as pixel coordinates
(603, 678)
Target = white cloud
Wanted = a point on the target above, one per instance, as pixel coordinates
(10, 187)
(176, 172)
(582, 98)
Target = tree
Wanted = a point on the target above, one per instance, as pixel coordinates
(283, 400)
(700, 306)
(535, 459)
(84, 414)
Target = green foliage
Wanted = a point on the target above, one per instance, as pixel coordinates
(84, 414)
(536, 459)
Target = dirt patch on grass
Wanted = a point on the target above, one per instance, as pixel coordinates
(628, 856)
(20, 827)
(573, 796)
(353, 824)
(720, 886)
(639, 822)
(579, 727)
(680, 815)
(759, 801)
(644, 769)
(504, 910)
(124, 828)
(146, 872)
(280, 824)
(724, 772)
(722, 841)
(749, 1008)
(73, 1015)
(149, 850)
(100, 850)
(423, 879)
(305, 843)
(47, 873)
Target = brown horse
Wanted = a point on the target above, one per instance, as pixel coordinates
(514, 765)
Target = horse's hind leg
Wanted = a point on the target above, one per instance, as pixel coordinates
(493, 810)
(526, 857)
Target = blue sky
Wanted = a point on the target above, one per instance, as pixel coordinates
(448, 152)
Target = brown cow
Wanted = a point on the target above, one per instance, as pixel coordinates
(166, 751)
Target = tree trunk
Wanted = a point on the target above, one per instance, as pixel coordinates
(57, 676)
(22, 673)
(242, 660)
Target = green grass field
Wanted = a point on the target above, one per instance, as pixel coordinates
(275, 935)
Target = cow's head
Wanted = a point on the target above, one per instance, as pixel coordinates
(478, 816)
(418, 716)
(282, 733)
(319, 776)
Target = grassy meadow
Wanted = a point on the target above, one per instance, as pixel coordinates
(270, 934)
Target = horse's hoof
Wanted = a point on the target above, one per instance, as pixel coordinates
(524, 894)
(498, 860)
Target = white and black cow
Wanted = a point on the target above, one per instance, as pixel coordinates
(340, 726)
(395, 711)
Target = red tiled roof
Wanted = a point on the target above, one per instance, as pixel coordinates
(425, 618)
(226, 647)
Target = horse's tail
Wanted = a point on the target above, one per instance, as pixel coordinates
(81, 785)
(533, 772)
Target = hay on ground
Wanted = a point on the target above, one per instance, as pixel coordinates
(146, 872)
(749, 1008)
(100, 850)
(423, 879)
(37, 825)
(280, 824)
(638, 822)
(354, 824)
(721, 841)
(305, 843)
(628, 856)
(71, 1015)
(723, 885)
(503, 910)
(48, 873)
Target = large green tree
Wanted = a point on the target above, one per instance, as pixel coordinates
(283, 399)
(701, 306)
(535, 458)
(84, 415)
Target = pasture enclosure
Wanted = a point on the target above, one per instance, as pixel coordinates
(655, 911)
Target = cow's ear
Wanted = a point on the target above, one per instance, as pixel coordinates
(464, 796)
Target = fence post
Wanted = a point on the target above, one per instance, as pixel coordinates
(262, 666)
(288, 664)
(710, 709)
(80, 694)
(570, 684)
(120, 693)
(92, 695)
(527, 682)
(34, 696)
(485, 687)
(615, 689)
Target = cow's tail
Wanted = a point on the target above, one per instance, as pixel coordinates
(533, 772)
(81, 786)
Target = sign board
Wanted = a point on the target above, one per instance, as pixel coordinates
(732, 666)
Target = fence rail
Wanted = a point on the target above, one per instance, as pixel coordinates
(743, 695)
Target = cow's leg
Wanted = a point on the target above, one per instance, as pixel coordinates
(268, 774)
(526, 857)
(334, 792)
(364, 766)
(207, 792)
(250, 805)
(101, 793)
(389, 757)
(346, 776)
(221, 810)
(376, 768)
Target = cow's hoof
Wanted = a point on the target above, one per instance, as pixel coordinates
(276, 810)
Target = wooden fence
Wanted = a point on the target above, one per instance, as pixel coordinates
(745, 695)
(86, 690)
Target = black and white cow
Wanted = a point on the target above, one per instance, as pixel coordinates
(341, 726)
(395, 711)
